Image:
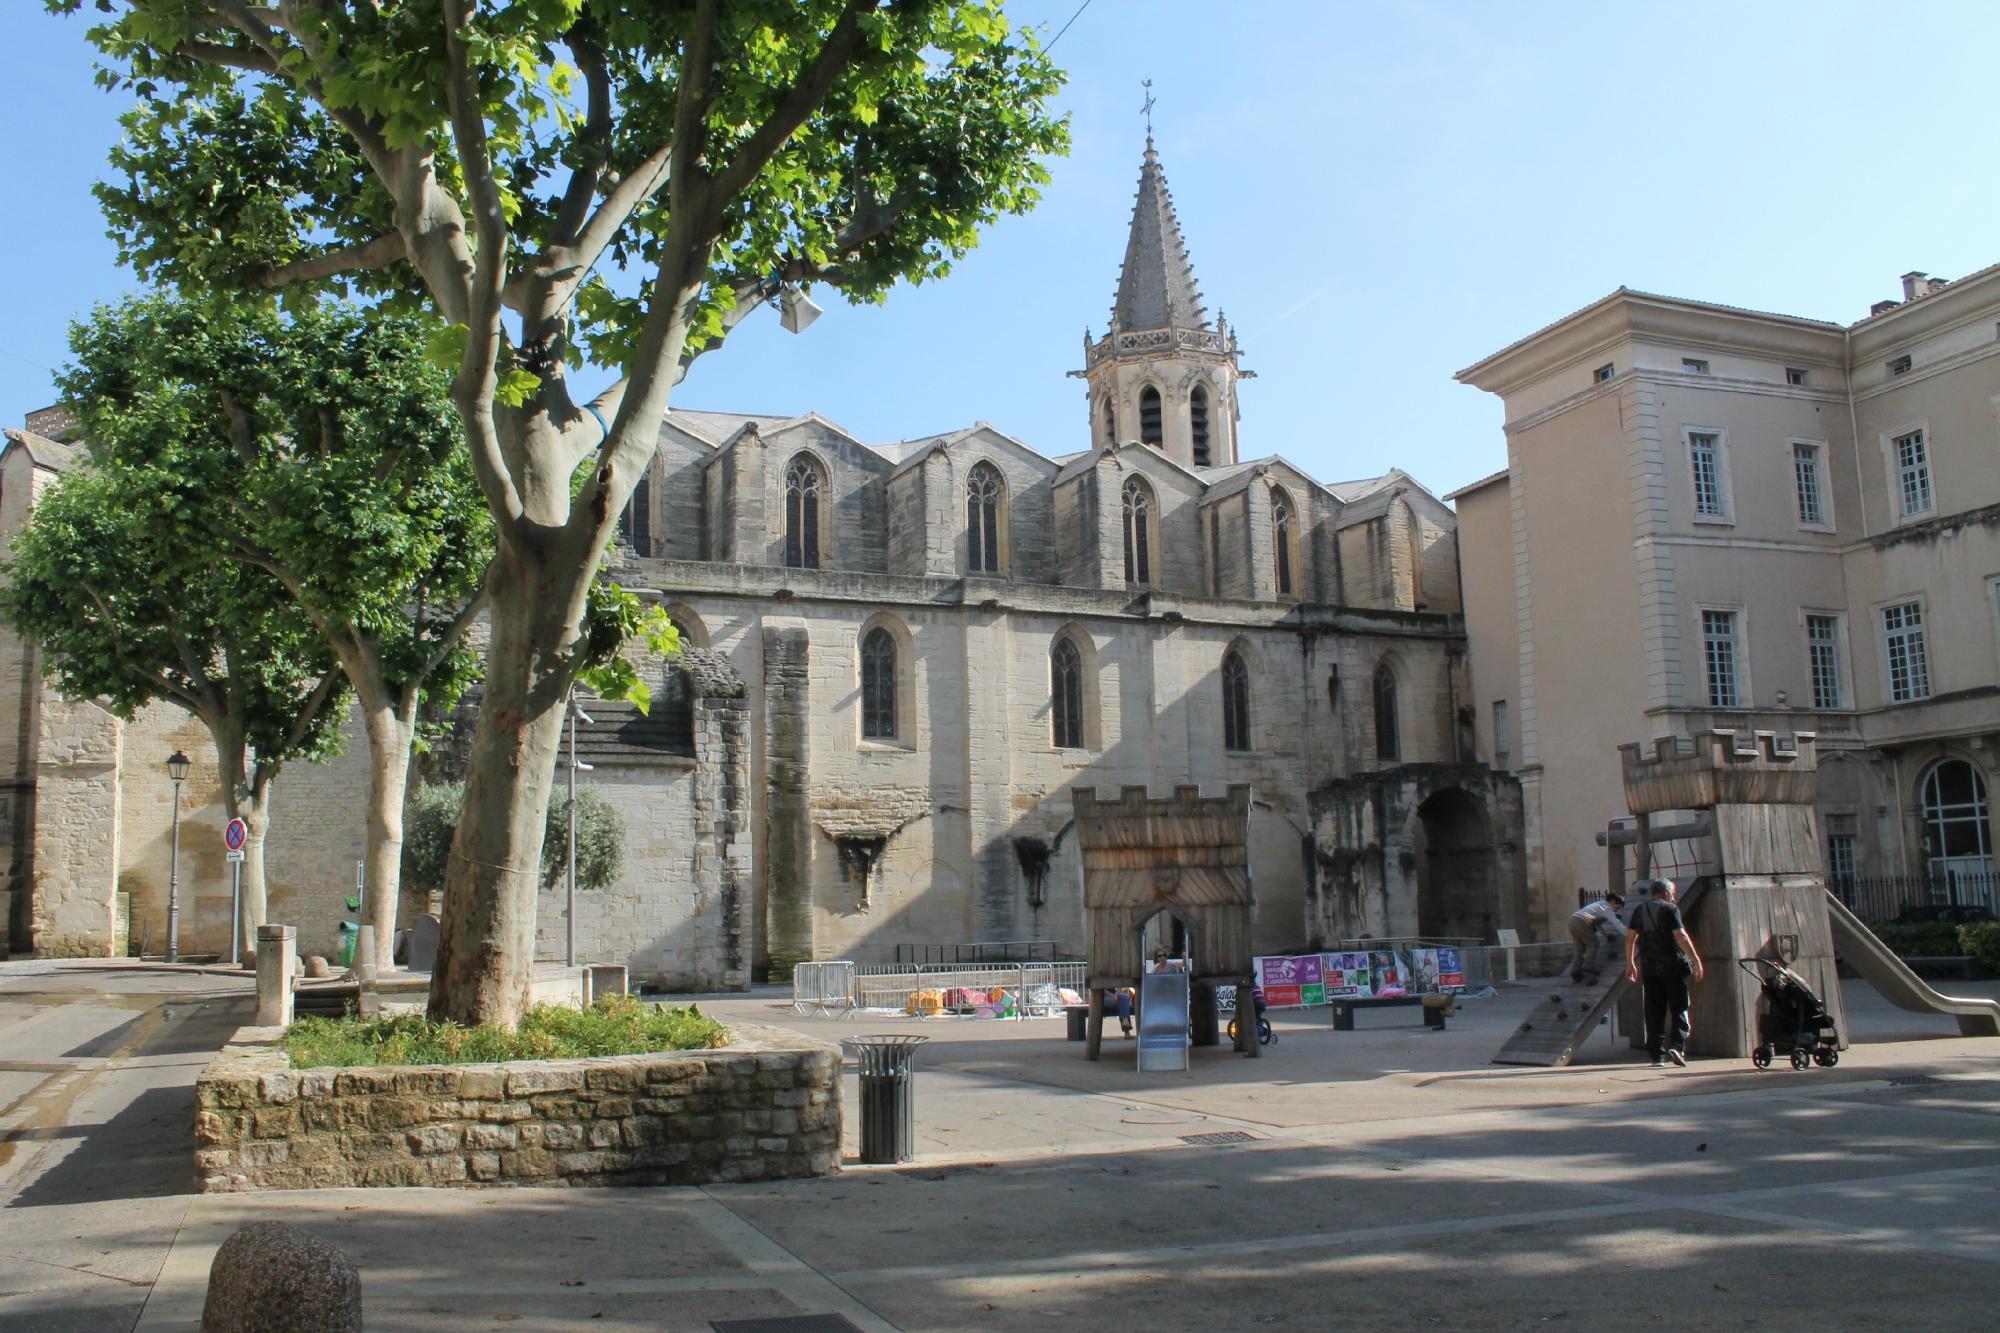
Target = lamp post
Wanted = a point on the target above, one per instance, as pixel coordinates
(569, 891)
(177, 769)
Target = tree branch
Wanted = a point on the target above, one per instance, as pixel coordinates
(454, 630)
(593, 144)
(798, 103)
(366, 257)
(309, 711)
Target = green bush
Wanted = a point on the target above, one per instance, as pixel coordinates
(1981, 939)
(432, 817)
(1921, 939)
(616, 1025)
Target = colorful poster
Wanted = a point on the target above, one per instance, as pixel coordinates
(1302, 970)
(1309, 996)
(1346, 975)
(1423, 974)
(1450, 970)
(1283, 997)
(1390, 972)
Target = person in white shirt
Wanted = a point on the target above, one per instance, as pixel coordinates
(1584, 926)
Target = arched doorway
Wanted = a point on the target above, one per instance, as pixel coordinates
(1958, 830)
(1455, 890)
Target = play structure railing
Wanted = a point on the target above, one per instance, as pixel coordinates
(1009, 990)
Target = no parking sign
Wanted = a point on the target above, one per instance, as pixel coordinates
(234, 837)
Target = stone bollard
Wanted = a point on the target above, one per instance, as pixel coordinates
(271, 1278)
(602, 979)
(277, 956)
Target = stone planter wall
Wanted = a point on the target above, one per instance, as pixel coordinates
(765, 1108)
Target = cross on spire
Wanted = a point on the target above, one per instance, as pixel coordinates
(1147, 109)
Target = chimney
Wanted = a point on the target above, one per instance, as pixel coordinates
(1933, 286)
(1880, 306)
(1913, 286)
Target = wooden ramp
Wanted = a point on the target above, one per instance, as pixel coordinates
(1565, 1015)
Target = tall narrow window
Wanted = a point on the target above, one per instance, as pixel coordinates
(1718, 646)
(1913, 473)
(1840, 865)
(1958, 839)
(1805, 471)
(1704, 457)
(1198, 424)
(1235, 702)
(803, 487)
(878, 685)
(1503, 734)
(1823, 646)
(1388, 745)
(1110, 421)
(1066, 695)
(982, 520)
(1149, 416)
(637, 520)
(1138, 532)
(1281, 540)
(1903, 644)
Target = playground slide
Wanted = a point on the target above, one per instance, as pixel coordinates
(1857, 945)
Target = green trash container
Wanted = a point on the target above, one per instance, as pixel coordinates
(350, 931)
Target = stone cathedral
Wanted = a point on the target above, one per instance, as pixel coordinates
(901, 658)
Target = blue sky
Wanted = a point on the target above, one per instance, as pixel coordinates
(1376, 195)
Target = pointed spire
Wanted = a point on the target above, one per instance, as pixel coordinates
(1156, 287)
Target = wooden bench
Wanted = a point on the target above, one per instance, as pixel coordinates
(1436, 1008)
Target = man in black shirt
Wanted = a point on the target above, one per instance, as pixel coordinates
(1660, 954)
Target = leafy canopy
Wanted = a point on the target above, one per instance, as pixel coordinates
(432, 819)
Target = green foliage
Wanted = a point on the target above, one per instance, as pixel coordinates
(321, 447)
(432, 817)
(126, 613)
(1981, 940)
(1922, 939)
(612, 619)
(615, 1025)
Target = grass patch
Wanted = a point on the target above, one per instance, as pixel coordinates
(616, 1025)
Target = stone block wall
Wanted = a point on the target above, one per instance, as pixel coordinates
(77, 831)
(767, 1107)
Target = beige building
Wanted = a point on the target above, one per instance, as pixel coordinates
(1718, 517)
(905, 655)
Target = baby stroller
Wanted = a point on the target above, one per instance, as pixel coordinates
(1792, 1019)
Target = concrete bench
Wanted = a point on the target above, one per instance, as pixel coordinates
(1436, 1008)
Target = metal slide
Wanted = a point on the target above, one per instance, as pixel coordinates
(1888, 974)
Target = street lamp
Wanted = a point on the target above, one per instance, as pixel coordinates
(177, 769)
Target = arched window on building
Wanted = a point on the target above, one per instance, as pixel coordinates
(1066, 694)
(1149, 417)
(1138, 500)
(1958, 824)
(1235, 702)
(635, 524)
(1198, 424)
(1110, 421)
(1388, 745)
(804, 489)
(1283, 530)
(878, 685)
(984, 495)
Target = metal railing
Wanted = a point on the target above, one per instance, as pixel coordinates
(1014, 990)
(1881, 899)
(978, 951)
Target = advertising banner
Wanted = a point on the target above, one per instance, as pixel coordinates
(1306, 980)
(1347, 976)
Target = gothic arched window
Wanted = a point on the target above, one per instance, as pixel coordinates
(804, 487)
(1066, 695)
(984, 493)
(1138, 532)
(1235, 702)
(1110, 421)
(1282, 525)
(878, 685)
(1387, 744)
(1958, 824)
(635, 524)
(1198, 424)
(1149, 416)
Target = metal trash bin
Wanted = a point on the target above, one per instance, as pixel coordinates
(887, 1066)
(1079, 1020)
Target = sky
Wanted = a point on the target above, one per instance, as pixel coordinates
(1376, 195)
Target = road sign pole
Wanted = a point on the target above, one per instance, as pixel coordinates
(235, 913)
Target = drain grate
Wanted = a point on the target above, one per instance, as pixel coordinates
(799, 1323)
(1210, 1140)
(1915, 1081)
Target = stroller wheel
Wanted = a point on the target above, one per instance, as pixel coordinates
(1827, 1058)
(1761, 1057)
(1800, 1058)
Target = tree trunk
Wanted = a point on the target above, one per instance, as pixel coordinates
(254, 811)
(486, 937)
(389, 735)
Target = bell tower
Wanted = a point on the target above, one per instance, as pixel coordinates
(1163, 374)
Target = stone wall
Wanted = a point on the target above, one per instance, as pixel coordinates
(765, 1108)
(77, 831)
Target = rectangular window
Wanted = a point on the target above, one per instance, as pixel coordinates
(1694, 365)
(1603, 373)
(1903, 643)
(1705, 456)
(1823, 647)
(1718, 637)
(1900, 366)
(1840, 863)
(1913, 473)
(1503, 743)
(1805, 471)
(1795, 377)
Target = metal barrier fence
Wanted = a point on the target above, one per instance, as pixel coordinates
(1881, 899)
(1031, 990)
(978, 951)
